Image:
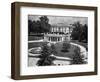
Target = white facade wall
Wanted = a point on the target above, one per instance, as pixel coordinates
(60, 29)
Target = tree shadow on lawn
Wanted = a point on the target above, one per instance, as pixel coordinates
(68, 54)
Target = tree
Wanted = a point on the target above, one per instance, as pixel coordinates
(77, 30)
(45, 51)
(45, 58)
(39, 26)
(85, 30)
(29, 26)
(77, 58)
(80, 32)
(44, 22)
(46, 61)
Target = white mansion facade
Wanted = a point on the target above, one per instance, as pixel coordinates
(58, 33)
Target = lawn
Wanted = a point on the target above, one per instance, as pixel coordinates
(58, 47)
(33, 37)
(35, 44)
(64, 54)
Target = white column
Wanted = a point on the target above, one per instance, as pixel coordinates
(62, 39)
(66, 30)
(57, 29)
(61, 29)
(54, 29)
(51, 29)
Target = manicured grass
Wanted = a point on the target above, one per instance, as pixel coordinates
(69, 54)
(35, 44)
(33, 37)
(80, 43)
(58, 47)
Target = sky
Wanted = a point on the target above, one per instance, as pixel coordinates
(65, 20)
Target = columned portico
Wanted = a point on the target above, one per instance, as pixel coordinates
(58, 34)
(55, 38)
(64, 29)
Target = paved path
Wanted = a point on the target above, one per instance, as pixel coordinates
(82, 50)
(35, 41)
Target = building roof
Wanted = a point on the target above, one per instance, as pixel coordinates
(60, 25)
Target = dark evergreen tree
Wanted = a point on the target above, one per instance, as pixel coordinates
(45, 58)
(44, 22)
(29, 26)
(39, 26)
(77, 30)
(77, 57)
(80, 32)
(86, 33)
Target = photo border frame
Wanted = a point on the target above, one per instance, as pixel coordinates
(15, 39)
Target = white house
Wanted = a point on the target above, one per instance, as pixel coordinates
(58, 33)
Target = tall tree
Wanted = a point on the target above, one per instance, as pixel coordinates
(39, 26)
(80, 32)
(86, 32)
(77, 58)
(45, 26)
(77, 30)
(29, 26)
(45, 56)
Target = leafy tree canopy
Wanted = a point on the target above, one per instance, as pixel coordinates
(39, 26)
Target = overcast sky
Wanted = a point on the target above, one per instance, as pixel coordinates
(66, 20)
